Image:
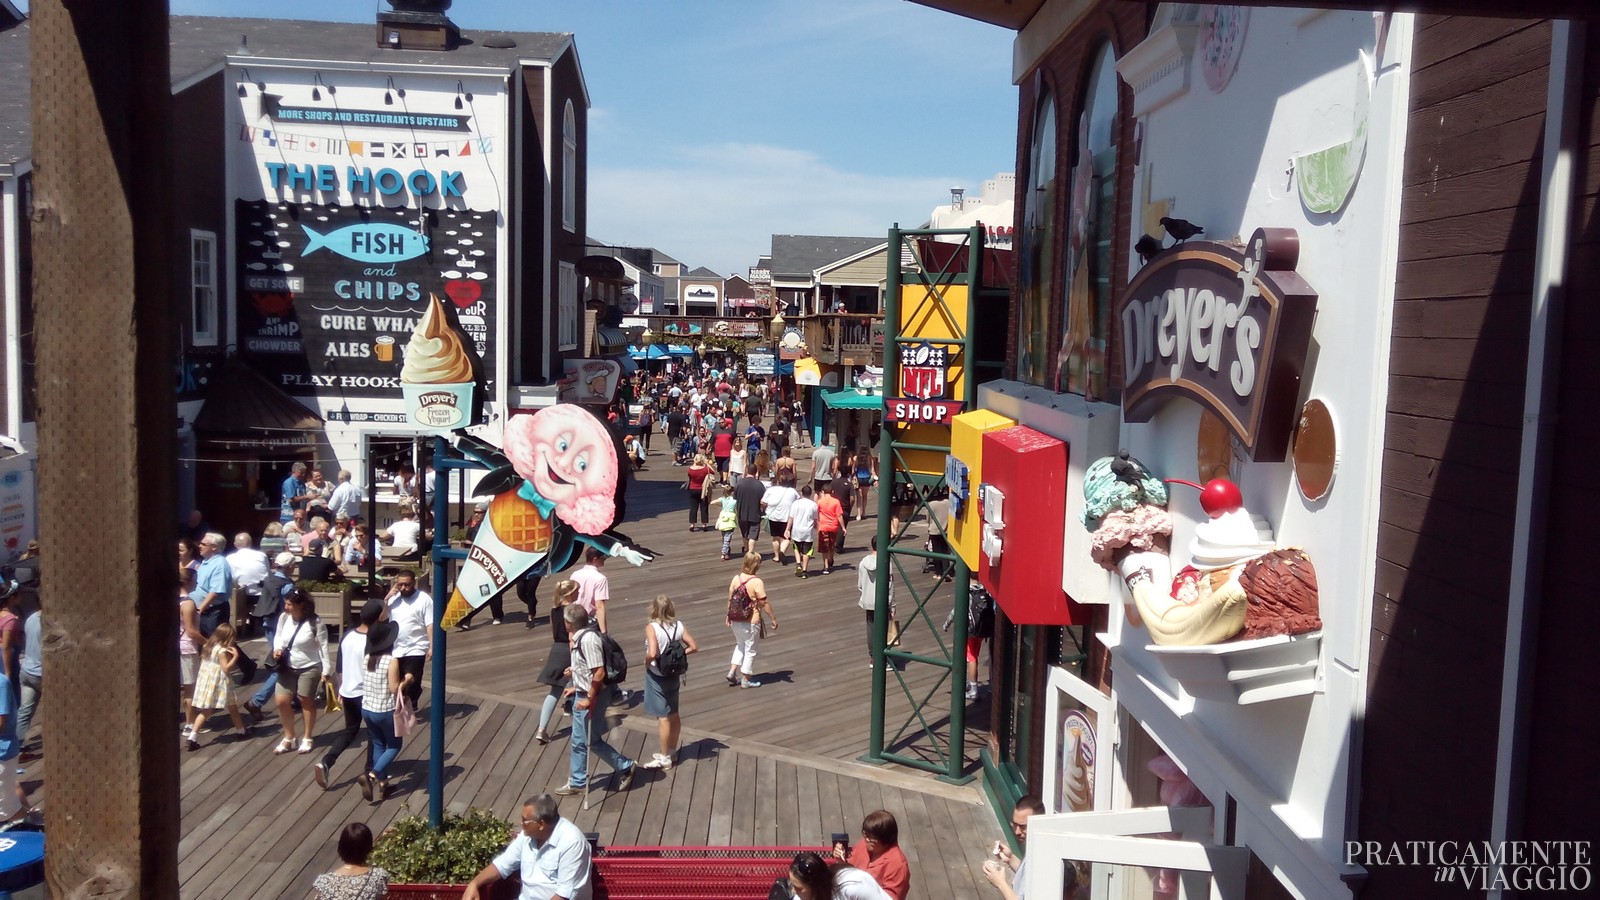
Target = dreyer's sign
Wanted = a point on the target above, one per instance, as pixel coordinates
(1224, 328)
(329, 295)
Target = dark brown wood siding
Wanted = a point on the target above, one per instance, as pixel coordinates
(527, 328)
(1468, 227)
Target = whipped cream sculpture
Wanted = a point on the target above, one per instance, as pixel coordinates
(1235, 583)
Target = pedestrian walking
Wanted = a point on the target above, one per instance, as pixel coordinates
(867, 588)
(351, 687)
(802, 530)
(864, 465)
(189, 641)
(748, 493)
(776, 504)
(698, 485)
(592, 696)
(557, 671)
(830, 527)
(301, 651)
(381, 693)
(748, 608)
(668, 644)
(213, 688)
(411, 611)
(727, 519)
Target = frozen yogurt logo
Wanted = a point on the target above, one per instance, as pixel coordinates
(1225, 327)
(437, 398)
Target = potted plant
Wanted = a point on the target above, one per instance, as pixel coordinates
(332, 599)
(433, 865)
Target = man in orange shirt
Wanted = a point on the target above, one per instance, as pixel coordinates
(830, 527)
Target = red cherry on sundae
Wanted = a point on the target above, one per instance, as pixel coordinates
(1218, 496)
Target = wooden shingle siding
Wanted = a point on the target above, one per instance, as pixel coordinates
(1452, 434)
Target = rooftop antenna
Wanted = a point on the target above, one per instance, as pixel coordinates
(244, 46)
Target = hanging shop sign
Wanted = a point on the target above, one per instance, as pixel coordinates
(760, 361)
(329, 295)
(588, 381)
(924, 381)
(1226, 328)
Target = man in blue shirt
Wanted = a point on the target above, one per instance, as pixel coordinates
(293, 491)
(551, 856)
(213, 583)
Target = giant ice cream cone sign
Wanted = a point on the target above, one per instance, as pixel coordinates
(562, 494)
(437, 376)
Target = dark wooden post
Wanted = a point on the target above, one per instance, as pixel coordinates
(102, 243)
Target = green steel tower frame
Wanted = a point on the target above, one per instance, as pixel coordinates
(946, 697)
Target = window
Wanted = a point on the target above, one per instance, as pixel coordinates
(203, 287)
(1038, 247)
(1083, 363)
(569, 169)
(567, 310)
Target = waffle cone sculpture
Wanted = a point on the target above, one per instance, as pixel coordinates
(514, 536)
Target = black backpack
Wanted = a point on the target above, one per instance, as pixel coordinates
(672, 657)
(615, 660)
(980, 613)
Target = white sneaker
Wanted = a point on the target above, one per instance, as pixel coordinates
(658, 761)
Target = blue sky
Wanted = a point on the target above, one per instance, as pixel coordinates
(719, 122)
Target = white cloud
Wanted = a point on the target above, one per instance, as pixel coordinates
(718, 205)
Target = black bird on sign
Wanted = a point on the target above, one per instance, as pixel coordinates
(1148, 246)
(1181, 229)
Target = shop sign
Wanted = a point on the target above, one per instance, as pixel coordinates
(588, 381)
(760, 361)
(329, 295)
(924, 378)
(1226, 328)
(739, 328)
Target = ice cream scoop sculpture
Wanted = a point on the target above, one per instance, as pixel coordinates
(1234, 574)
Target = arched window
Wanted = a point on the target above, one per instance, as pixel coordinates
(569, 169)
(1083, 363)
(1037, 246)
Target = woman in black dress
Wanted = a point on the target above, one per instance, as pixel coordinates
(557, 671)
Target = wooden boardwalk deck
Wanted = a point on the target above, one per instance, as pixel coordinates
(773, 766)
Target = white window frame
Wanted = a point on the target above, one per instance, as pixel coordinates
(203, 337)
(567, 307)
(1063, 687)
(569, 169)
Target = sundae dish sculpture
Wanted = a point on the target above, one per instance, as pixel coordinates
(437, 376)
(1235, 582)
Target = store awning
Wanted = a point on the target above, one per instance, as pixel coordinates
(246, 411)
(611, 337)
(653, 351)
(810, 372)
(850, 398)
(680, 350)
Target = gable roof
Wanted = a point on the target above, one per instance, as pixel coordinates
(798, 255)
(702, 272)
(200, 44)
(658, 258)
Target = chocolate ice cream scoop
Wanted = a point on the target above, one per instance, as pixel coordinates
(1281, 589)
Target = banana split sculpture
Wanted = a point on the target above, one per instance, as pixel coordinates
(1235, 580)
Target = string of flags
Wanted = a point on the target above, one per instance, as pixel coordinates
(306, 143)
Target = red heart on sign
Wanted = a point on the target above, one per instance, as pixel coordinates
(462, 293)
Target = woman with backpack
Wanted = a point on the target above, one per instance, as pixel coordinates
(667, 645)
(747, 601)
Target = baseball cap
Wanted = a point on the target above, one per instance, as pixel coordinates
(283, 559)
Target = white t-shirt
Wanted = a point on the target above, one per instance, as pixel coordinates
(405, 533)
(779, 499)
(352, 662)
(803, 519)
(854, 884)
(413, 617)
(249, 567)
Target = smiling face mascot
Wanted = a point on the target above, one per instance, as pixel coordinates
(561, 491)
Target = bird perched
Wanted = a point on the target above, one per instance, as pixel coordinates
(1181, 229)
(1148, 246)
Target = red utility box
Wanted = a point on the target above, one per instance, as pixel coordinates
(1029, 470)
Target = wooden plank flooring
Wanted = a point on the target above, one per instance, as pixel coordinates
(777, 765)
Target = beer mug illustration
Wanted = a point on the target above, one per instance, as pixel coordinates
(384, 347)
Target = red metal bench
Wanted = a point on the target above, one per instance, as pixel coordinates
(691, 873)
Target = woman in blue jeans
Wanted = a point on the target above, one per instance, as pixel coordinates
(380, 684)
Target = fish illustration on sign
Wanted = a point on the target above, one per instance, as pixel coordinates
(370, 243)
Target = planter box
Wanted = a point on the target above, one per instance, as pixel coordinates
(1245, 672)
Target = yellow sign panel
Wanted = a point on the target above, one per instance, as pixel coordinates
(934, 313)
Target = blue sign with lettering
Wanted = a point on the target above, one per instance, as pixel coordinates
(376, 243)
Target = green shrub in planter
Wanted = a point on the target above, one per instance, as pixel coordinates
(413, 853)
(322, 587)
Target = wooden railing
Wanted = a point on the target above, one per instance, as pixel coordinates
(845, 338)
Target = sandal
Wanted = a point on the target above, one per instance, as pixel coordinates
(305, 745)
(284, 746)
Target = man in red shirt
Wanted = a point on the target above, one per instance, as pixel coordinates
(722, 447)
(830, 527)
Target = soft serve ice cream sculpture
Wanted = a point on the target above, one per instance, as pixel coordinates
(437, 376)
(1235, 580)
